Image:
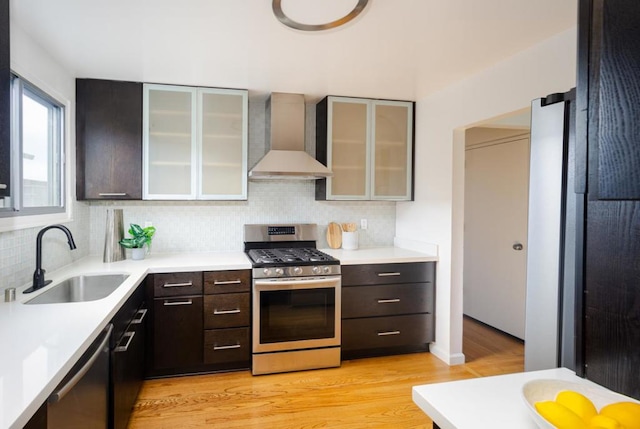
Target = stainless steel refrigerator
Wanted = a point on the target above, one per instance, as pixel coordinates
(554, 235)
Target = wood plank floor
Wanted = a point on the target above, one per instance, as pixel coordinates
(362, 393)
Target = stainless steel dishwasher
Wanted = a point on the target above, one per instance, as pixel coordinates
(81, 400)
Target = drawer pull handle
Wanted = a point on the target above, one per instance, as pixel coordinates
(227, 282)
(186, 284)
(388, 274)
(112, 194)
(187, 302)
(124, 348)
(234, 346)
(384, 334)
(388, 301)
(141, 313)
(3, 186)
(218, 312)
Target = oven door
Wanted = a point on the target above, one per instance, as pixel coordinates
(296, 313)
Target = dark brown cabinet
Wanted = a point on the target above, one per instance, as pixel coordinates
(227, 316)
(387, 308)
(177, 324)
(5, 92)
(608, 110)
(108, 140)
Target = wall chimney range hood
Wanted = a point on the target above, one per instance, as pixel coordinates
(286, 158)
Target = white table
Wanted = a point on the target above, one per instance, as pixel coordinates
(488, 402)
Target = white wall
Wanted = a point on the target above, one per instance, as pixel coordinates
(436, 215)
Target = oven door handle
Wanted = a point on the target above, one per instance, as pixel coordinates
(302, 282)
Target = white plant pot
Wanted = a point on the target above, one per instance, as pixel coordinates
(138, 254)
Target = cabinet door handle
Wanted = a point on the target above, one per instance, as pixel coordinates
(3, 186)
(141, 313)
(388, 274)
(129, 335)
(186, 284)
(384, 334)
(112, 194)
(227, 282)
(187, 302)
(234, 346)
(218, 312)
(388, 301)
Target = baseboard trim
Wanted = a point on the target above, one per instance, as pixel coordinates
(449, 359)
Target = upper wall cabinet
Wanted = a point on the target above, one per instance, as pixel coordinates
(5, 117)
(368, 144)
(195, 143)
(108, 140)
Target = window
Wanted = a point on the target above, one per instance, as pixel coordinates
(37, 152)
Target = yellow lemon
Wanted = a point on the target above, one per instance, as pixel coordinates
(578, 403)
(627, 413)
(604, 422)
(560, 416)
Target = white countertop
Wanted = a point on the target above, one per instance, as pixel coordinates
(40, 343)
(379, 255)
(487, 402)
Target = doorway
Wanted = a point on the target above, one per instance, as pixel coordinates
(495, 225)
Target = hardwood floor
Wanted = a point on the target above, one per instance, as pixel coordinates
(363, 393)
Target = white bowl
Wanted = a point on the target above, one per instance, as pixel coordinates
(546, 390)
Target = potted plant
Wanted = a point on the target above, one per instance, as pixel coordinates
(140, 237)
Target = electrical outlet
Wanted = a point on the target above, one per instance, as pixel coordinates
(363, 224)
(148, 224)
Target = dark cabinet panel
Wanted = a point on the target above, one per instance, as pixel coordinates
(613, 70)
(226, 310)
(227, 281)
(387, 273)
(612, 299)
(177, 284)
(387, 332)
(5, 86)
(386, 300)
(108, 139)
(177, 332)
(230, 347)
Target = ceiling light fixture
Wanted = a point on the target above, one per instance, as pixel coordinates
(277, 11)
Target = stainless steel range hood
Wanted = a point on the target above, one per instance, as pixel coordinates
(287, 159)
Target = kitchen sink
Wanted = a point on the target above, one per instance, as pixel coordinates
(81, 289)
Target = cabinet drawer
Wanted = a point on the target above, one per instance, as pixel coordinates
(377, 274)
(387, 300)
(226, 310)
(226, 345)
(392, 331)
(227, 281)
(177, 284)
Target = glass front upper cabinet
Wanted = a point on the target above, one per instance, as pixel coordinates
(368, 144)
(195, 143)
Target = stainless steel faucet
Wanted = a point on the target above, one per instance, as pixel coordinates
(38, 274)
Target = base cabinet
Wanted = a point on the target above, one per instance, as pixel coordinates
(387, 308)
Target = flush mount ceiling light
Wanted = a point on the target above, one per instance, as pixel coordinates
(279, 13)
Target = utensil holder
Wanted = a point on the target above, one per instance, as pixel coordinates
(350, 240)
(114, 232)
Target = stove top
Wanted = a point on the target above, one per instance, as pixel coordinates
(285, 257)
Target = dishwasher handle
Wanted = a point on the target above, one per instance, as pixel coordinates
(60, 393)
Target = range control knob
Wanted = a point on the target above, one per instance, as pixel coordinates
(279, 271)
(316, 270)
(267, 272)
(326, 270)
(296, 271)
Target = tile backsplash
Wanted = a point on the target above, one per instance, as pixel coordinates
(218, 226)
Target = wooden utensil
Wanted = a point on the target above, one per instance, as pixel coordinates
(334, 235)
(349, 227)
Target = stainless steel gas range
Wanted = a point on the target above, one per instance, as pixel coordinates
(296, 299)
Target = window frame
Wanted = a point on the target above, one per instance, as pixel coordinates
(10, 218)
